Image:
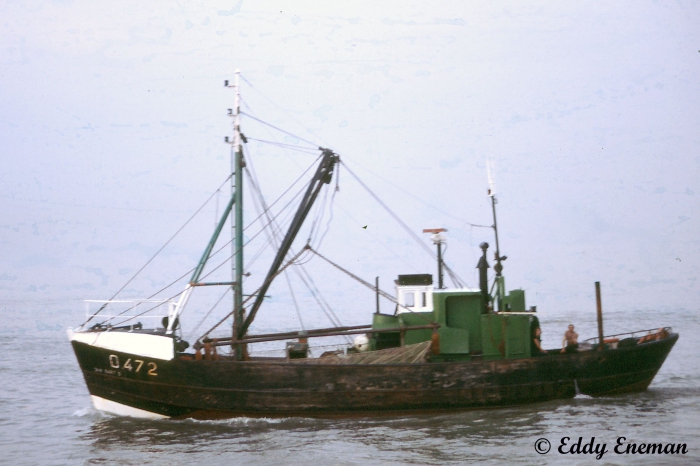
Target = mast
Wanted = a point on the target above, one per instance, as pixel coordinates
(237, 165)
(498, 268)
(323, 175)
(438, 239)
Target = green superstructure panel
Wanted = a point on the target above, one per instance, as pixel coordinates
(505, 336)
(492, 336)
(384, 321)
(416, 318)
(453, 341)
(514, 301)
(517, 336)
(464, 312)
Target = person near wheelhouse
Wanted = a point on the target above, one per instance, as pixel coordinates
(570, 341)
(536, 344)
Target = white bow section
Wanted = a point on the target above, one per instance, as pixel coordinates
(139, 344)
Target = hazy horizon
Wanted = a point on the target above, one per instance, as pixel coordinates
(113, 117)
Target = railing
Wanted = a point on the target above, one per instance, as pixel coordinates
(635, 334)
(131, 314)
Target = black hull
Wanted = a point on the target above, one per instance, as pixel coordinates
(219, 389)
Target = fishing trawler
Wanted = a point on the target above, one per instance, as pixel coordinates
(440, 350)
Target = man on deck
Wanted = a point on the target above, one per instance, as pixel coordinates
(570, 342)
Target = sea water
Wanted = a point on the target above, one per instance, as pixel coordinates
(46, 416)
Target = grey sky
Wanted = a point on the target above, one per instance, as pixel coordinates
(112, 116)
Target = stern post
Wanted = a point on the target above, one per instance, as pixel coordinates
(599, 306)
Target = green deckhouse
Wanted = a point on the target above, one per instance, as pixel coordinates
(467, 326)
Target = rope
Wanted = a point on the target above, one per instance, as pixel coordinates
(156, 254)
(409, 193)
(194, 330)
(286, 146)
(455, 279)
(282, 269)
(384, 294)
(302, 274)
(294, 299)
(212, 255)
(282, 110)
(278, 129)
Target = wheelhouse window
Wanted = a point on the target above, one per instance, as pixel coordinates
(409, 299)
(425, 299)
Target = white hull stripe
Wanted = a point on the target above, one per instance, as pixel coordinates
(141, 344)
(112, 407)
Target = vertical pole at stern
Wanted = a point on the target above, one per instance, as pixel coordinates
(601, 344)
(376, 292)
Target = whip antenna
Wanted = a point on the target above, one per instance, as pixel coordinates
(498, 268)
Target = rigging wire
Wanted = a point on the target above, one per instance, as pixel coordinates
(285, 146)
(257, 218)
(263, 207)
(294, 299)
(315, 230)
(455, 279)
(216, 209)
(232, 255)
(378, 241)
(370, 171)
(157, 252)
(245, 301)
(152, 258)
(405, 191)
(317, 217)
(317, 210)
(279, 129)
(257, 191)
(284, 111)
(330, 218)
(384, 294)
(309, 280)
(306, 278)
(274, 238)
(183, 276)
(212, 255)
(330, 209)
(194, 330)
(266, 212)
